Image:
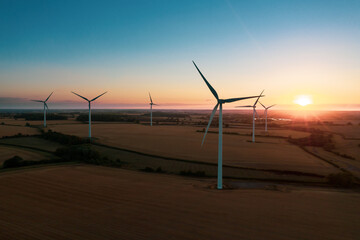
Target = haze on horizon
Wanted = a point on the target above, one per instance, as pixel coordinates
(288, 48)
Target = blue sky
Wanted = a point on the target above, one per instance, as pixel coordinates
(149, 45)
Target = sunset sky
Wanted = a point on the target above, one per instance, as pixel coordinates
(288, 48)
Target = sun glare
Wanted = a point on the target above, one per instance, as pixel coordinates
(303, 100)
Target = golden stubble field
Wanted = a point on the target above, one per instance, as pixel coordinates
(93, 202)
(185, 143)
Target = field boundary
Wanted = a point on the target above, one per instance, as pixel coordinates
(280, 172)
(27, 147)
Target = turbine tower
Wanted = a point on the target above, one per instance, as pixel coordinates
(219, 104)
(89, 101)
(266, 109)
(254, 112)
(45, 106)
(151, 104)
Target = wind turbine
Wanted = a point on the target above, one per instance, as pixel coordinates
(220, 102)
(89, 101)
(266, 109)
(45, 106)
(254, 112)
(151, 104)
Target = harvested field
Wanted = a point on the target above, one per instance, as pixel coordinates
(272, 132)
(13, 130)
(347, 164)
(91, 202)
(346, 131)
(184, 142)
(22, 122)
(347, 147)
(32, 142)
(136, 161)
(8, 152)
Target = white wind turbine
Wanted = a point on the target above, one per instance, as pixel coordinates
(151, 104)
(254, 112)
(220, 102)
(266, 109)
(89, 101)
(45, 106)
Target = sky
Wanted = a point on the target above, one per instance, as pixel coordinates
(130, 48)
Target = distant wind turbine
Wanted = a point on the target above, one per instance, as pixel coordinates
(254, 112)
(220, 102)
(266, 109)
(89, 101)
(151, 104)
(45, 106)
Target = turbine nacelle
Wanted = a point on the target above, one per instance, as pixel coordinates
(89, 101)
(266, 108)
(45, 106)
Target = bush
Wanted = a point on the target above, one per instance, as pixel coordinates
(341, 179)
(86, 154)
(159, 170)
(13, 162)
(62, 138)
(82, 153)
(107, 117)
(40, 116)
(147, 169)
(316, 139)
(193, 174)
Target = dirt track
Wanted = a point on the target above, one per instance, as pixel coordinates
(91, 202)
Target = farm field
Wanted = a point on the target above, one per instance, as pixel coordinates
(348, 147)
(272, 132)
(13, 130)
(346, 131)
(8, 152)
(22, 122)
(93, 202)
(350, 165)
(140, 161)
(184, 142)
(137, 161)
(32, 142)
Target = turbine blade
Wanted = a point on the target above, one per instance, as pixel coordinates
(259, 97)
(81, 96)
(271, 106)
(229, 100)
(211, 118)
(36, 100)
(244, 106)
(150, 98)
(97, 97)
(46, 106)
(49, 96)
(262, 105)
(207, 83)
(156, 104)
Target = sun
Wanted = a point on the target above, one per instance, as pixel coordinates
(303, 100)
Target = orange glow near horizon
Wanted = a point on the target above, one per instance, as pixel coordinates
(303, 100)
